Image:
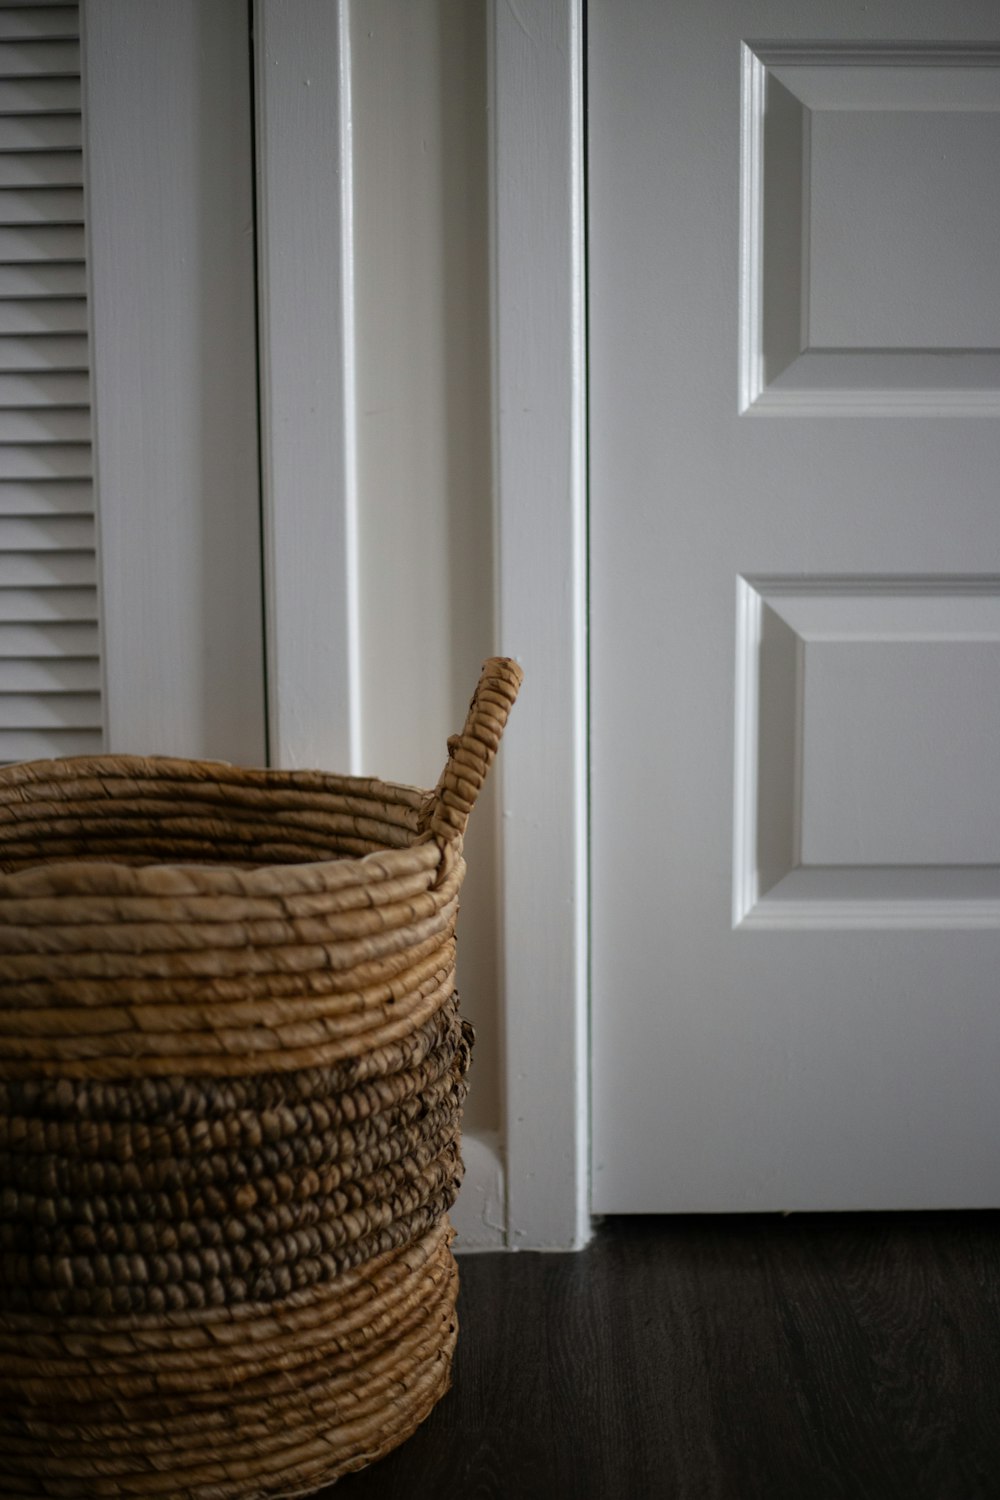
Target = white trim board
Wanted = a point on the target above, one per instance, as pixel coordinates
(537, 239)
(310, 487)
(305, 304)
(302, 70)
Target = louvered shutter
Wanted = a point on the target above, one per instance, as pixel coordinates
(50, 686)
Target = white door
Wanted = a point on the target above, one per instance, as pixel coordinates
(794, 266)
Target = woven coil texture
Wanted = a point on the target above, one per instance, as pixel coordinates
(232, 1071)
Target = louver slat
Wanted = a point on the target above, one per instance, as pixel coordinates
(48, 711)
(28, 389)
(24, 640)
(33, 169)
(42, 133)
(41, 205)
(46, 534)
(58, 22)
(38, 461)
(41, 425)
(39, 606)
(38, 315)
(41, 744)
(40, 242)
(29, 58)
(39, 96)
(43, 354)
(61, 315)
(50, 668)
(47, 570)
(20, 675)
(42, 281)
(52, 499)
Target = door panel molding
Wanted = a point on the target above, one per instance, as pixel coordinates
(790, 365)
(779, 620)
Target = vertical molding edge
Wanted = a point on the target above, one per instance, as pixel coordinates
(307, 382)
(748, 633)
(106, 708)
(751, 358)
(539, 396)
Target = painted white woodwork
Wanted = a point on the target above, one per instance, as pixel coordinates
(305, 287)
(170, 203)
(539, 321)
(479, 1214)
(40, 57)
(904, 213)
(50, 687)
(19, 23)
(45, 132)
(42, 242)
(795, 624)
(870, 211)
(374, 303)
(41, 169)
(40, 96)
(425, 601)
(879, 739)
(425, 516)
(848, 694)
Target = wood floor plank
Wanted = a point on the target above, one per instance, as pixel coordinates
(821, 1357)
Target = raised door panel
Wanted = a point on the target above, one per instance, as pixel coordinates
(871, 212)
(867, 721)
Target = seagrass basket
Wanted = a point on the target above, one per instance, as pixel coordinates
(231, 1081)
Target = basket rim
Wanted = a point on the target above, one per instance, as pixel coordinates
(431, 828)
(72, 876)
(177, 767)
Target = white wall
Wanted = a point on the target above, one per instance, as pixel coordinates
(423, 416)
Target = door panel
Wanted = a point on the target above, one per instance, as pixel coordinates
(795, 593)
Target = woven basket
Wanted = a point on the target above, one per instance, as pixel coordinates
(231, 1080)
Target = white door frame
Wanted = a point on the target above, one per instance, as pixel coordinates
(540, 416)
(540, 504)
(539, 400)
(307, 371)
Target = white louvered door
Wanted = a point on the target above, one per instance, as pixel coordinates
(50, 681)
(128, 383)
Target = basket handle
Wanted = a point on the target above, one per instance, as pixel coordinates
(470, 754)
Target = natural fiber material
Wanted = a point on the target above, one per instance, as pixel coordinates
(232, 1072)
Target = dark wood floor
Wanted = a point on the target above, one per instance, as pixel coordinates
(850, 1357)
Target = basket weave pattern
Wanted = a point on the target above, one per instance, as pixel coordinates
(232, 1072)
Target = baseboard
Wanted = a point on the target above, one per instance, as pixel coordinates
(480, 1212)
